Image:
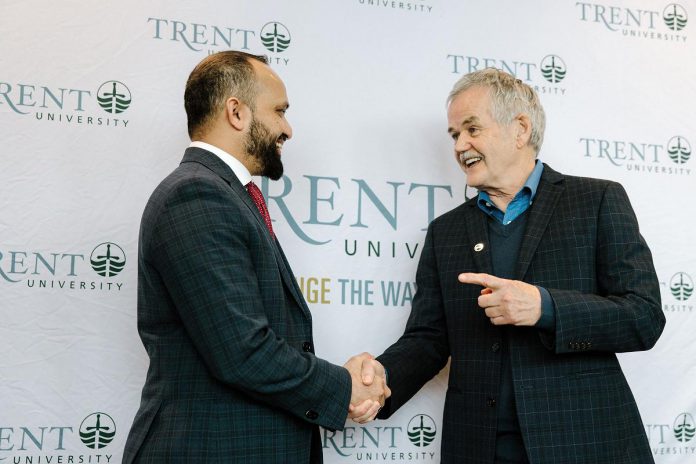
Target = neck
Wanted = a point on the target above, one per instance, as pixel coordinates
(501, 197)
(235, 148)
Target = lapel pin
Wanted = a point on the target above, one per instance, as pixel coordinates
(478, 247)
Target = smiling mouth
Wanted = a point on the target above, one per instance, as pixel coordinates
(279, 143)
(469, 160)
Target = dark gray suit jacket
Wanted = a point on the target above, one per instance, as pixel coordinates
(232, 374)
(574, 405)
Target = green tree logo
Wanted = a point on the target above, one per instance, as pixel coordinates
(553, 68)
(675, 17)
(114, 97)
(681, 286)
(97, 430)
(684, 428)
(107, 259)
(275, 37)
(421, 430)
(679, 149)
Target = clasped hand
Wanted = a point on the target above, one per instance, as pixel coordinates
(369, 390)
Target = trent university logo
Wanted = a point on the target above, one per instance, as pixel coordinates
(114, 97)
(48, 442)
(670, 157)
(675, 17)
(537, 74)
(553, 68)
(679, 149)
(639, 22)
(684, 427)
(51, 103)
(421, 430)
(385, 443)
(681, 286)
(275, 37)
(97, 430)
(64, 269)
(107, 259)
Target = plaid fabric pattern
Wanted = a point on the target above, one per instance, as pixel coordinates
(574, 405)
(232, 376)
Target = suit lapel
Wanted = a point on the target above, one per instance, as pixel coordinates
(291, 281)
(476, 225)
(545, 200)
(215, 164)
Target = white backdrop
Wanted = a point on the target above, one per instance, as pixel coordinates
(92, 118)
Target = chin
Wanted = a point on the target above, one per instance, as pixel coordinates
(473, 182)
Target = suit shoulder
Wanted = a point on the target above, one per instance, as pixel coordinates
(577, 185)
(188, 178)
(588, 182)
(189, 174)
(188, 182)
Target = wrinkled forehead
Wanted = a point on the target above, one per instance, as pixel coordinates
(474, 102)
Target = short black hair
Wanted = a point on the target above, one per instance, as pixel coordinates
(216, 78)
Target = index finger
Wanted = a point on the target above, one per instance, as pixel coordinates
(485, 280)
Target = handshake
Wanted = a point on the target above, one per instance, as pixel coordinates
(369, 390)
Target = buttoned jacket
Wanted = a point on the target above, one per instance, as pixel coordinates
(232, 376)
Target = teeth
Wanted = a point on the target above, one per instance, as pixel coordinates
(469, 160)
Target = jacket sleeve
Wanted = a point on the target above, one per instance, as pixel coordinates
(625, 314)
(203, 252)
(422, 351)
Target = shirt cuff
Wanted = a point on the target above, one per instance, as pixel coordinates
(547, 321)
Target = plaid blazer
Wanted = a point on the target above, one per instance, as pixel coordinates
(232, 376)
(574, 405)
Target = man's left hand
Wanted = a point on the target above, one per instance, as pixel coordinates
(506, 302)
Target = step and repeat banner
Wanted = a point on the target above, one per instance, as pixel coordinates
(92, 118)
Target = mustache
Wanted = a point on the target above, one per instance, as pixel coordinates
(465, 155)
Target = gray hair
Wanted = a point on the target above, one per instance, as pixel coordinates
(509, 97)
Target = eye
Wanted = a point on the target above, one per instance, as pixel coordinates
(454, 135)
(472, 130)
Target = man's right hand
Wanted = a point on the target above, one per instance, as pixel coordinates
(369, 387)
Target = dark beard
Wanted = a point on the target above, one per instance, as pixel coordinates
(261, 145)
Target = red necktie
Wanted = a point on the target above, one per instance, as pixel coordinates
(257, 197)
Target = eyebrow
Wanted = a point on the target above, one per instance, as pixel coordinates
(469, 120)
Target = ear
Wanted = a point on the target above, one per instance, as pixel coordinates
(237, 113)
(523, 126)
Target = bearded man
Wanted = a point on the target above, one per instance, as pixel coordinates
(233, 376)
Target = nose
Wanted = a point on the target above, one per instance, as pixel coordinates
(462, 143)
(287, 130)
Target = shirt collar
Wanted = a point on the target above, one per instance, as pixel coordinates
(530, 186)
(533, 180)
(521, 200)
(237, 167)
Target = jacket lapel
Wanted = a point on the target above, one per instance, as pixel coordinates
(291, 281)
(476, 227)
(215, 164)
(540, 212)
